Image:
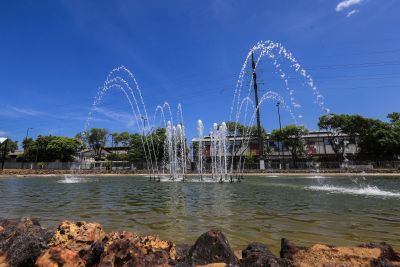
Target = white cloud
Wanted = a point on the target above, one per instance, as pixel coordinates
(11, 111)
(29, 112)
(21, 112)
(3, 133)
(122, 117)
(347, 3)
(351, 13)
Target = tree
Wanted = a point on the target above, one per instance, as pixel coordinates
(376, 139)
(124, 138)
(51, 148)
(334, 125)
(63, 148)
(116, 139)
(80, 137)
(136, 153)
(158, 136)
(243, 130)
(384, 140)
(9, 146)
(292, 137)
(394, 117)
(139, 143)
(96, 139)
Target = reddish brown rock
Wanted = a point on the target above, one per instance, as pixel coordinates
(381, 255)
(388, 256)
(84, 238)
(211, 247)
(57, 256)
(153, 244)
(128, 249)
(22, 241)
(182, 251)
(288, 249)
(258, 254)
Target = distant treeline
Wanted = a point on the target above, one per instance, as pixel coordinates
(376, 140)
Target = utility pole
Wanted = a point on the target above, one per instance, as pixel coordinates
(144, 124)
(26, 138)
(260, 140)
(280, 133)
(144, 119)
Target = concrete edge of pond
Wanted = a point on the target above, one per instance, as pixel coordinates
(46, 173)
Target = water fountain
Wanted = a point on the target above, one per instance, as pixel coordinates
(176, 157)
(219, 152)
(200, 133)
(223, 165)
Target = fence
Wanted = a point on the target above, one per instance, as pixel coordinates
(97, 165)
(312, 165)
(271, 165)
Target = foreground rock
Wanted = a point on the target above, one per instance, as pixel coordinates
(211, 247)
(128, 249)
(84, 238)
(25, 243)
(58, 256)
(322, 255)
(22, 241)
(258, 254)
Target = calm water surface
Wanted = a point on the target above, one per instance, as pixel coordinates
(335, 210)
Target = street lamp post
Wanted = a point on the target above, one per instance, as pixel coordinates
(280, 133)
(26, 138)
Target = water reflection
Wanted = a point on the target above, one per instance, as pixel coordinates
(261, 209)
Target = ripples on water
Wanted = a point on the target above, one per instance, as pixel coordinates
(334, 210)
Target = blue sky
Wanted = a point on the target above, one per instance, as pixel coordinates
(54, 56)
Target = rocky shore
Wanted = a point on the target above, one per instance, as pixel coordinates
(24, 242)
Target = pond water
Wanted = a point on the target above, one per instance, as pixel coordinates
(346, 210)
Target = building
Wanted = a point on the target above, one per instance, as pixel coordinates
(89, 154)
(316, 144)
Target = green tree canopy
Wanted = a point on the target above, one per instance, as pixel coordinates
(96, 138)
(63, 148)
(243, 130)
(376, 139)
(124, 138)
(50, 148)
(394, 117)
(292, 137)
(139, 144)
(9, 146)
